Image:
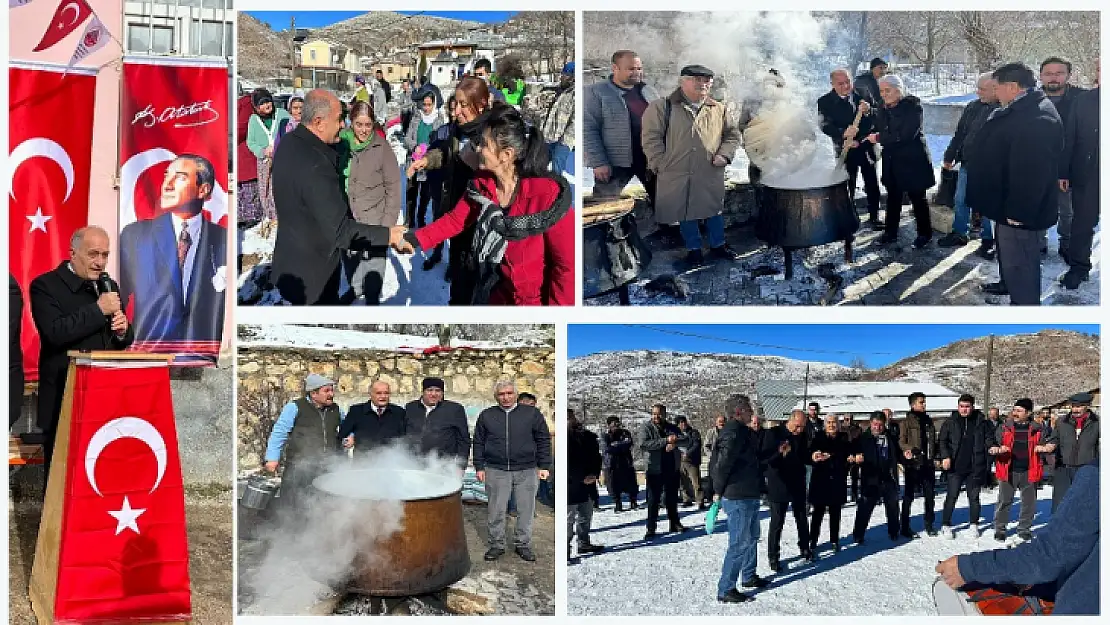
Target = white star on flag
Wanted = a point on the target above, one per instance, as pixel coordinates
(38, 220)
(126, 517)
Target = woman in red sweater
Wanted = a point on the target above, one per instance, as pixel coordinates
(523, 245)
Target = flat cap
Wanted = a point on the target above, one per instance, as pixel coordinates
(1081, 398)
(696, 70)
(315, 381)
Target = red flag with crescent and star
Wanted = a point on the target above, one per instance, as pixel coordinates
(49, 158)
(67, 17)
(123, 551)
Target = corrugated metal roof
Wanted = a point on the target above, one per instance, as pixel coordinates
(777, 398)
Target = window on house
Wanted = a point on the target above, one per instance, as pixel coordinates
(209, 36)
(139, 38)
(312, 55)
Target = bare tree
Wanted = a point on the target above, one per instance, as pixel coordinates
(546, 40)
(921, 35)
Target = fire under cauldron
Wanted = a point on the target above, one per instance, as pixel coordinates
(613, 253)
(427, 554)
(797, 218)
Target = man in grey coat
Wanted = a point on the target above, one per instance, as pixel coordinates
(658, 441)
(1076, 437)
(611, 122)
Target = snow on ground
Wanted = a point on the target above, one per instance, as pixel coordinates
(678, 573)
(310, 337)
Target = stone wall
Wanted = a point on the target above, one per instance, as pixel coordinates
(269, 377)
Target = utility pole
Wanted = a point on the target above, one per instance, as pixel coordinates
(293, 51)
(987, 383)
(805, 389)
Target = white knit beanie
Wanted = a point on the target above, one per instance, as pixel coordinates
(895, 82)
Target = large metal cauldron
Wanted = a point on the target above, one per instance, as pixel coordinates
(613, 254)
(800, 218)
(427, 554)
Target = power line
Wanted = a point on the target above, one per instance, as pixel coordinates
(721, 339)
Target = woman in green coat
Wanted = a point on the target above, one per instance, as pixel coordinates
(262, 130)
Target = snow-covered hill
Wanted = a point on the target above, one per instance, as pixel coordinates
(1047, 366)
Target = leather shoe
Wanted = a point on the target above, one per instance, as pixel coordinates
(493, 554)
(724, 253)
(756, 582)
(590, 548)
(996, 288)
(735, 596)
(1073, 278)
(526, 554)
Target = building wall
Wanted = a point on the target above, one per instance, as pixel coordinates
(316, 54)
(269, 377)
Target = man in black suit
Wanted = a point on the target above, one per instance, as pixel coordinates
(439, 425)
(71, 314)
(175, 265)
(374, 423)
(785, 453)
(315, 224)
(15, 351)
(838, 109)
(878, 455)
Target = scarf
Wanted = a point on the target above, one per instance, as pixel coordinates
(494, 229)
(430, 118)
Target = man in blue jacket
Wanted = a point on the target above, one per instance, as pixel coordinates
(1065, 553)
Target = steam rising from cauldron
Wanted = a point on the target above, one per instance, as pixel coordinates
(310, 556)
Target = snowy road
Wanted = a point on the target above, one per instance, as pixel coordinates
(677, 574)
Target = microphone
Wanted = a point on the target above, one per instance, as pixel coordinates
(105, 284)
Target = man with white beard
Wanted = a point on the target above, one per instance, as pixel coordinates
(688, 141)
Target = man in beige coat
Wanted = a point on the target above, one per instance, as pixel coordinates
(688, 140)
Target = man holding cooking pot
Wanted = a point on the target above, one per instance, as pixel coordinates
(512, 453)
(306, 445)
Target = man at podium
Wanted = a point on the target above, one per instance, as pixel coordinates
(72, 312)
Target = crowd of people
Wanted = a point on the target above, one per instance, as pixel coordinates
(1027, 159)
(510, 448)
(479, 177)
(811, 463)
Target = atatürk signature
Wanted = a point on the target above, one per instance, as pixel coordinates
(200, 112)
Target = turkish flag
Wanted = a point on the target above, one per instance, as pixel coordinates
(124, 553)
(50, 154)
(67, 17)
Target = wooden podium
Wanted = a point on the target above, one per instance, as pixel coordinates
(44, 572)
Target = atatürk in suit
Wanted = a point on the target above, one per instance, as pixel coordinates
(174, 266)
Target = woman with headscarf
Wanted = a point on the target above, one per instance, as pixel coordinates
(249, 207)
(261, 132)
(426, 121)
(907, 167)
(373, 184)
(295, 106)
(451, 161)
(522, 247)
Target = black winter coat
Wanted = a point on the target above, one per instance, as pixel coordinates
(837, 114)
(511, 442)
(875, 472)
(1017, 164)
(583, 459)
(369, 429)
(1080, 164)
(618, 450)
(443, 430)
(736, 469)
(906, 162)
(829, 480)
(315, 223)
(961, 147)
(64, 309)
(951, 435)
(868, 85)
(1065, 106)
(693, 446)
(15, 351)
(786, 475)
